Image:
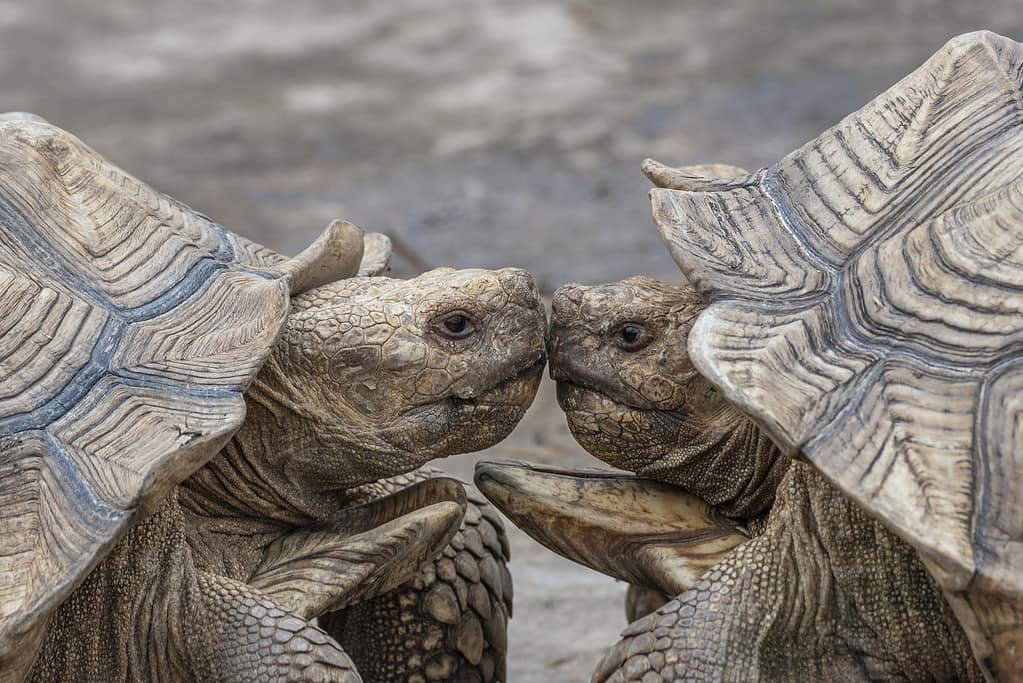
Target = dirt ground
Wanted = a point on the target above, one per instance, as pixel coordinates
(476, 133)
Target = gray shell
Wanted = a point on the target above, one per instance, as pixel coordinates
(866, 308)
(128, 332)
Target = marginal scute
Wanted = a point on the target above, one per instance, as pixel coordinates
(867, 308)
(1000, 434)
(709, 219)
(955, 116)
(109, 435)
(335, 255)
(41, 324)
(209, 339)
(127, 333)
(696, 178)
(908, 458)
(729, 334)
(376, 255)
(104, 234)
(36, 548)
(944, 287)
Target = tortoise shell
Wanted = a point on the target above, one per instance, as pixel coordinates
(130, 326)
(866, 307)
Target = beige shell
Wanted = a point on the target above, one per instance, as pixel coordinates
(866, 307)
(129, 328)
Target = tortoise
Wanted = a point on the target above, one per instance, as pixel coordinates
(837, 377)
(193, 429)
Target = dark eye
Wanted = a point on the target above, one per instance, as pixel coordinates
(631, 337)
(456, 326)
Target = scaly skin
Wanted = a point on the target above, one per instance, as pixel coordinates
(825, 593)
(822, 591)
(149, 613)
(647, 410)
(367, 381)
(450, 621)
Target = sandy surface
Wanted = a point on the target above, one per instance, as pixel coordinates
(477, 133)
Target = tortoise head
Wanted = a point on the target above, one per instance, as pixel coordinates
(391, 373)
(633, 398)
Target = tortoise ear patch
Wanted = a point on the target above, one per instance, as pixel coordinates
(867, 308)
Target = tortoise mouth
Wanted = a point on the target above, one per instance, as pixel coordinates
(581, 396)
(618, 433)
(504, 401)
(517, 390)
(453, 424)
(584, 383)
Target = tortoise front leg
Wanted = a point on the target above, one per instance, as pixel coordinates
(825, 593)
(367, 551)
(234, 633)
(450, 621)
(260, 630)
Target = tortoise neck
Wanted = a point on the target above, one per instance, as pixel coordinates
(852, 576)
(249, 477)
(731, 464)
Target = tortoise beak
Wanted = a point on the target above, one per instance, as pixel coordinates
(644, 532)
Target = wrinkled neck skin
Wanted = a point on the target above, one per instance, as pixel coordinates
(246, 480)
(825, 592)
(720, 456)
(736, 468)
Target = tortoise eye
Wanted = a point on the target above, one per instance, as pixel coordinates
(632, 337)
(456, 326)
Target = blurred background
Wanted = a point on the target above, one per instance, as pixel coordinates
(475, 133)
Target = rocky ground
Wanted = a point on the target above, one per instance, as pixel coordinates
(476, 133)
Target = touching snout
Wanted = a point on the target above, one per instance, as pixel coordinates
(568, 339)
(524, 329)
(582, 318)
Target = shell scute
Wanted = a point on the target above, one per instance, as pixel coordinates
(900, 380)
(128, 332)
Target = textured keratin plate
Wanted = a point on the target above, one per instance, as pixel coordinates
(867, 308)
(128, 333)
